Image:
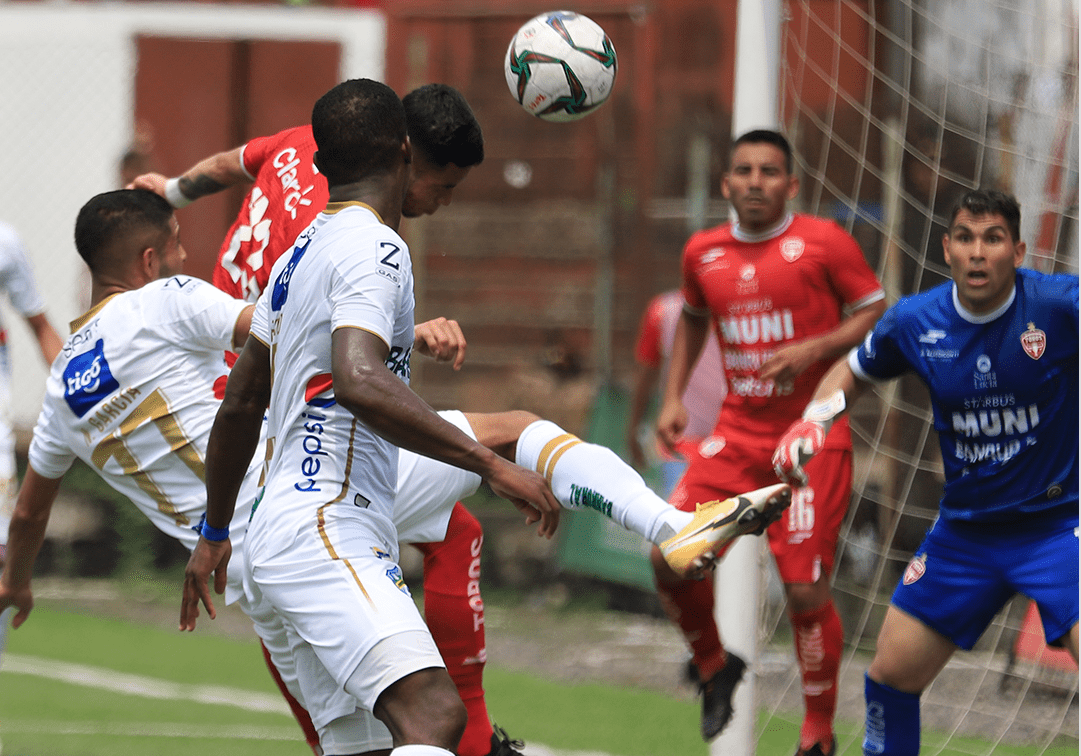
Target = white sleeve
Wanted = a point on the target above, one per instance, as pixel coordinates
(367, 289)
(16, 277)
(49, 454)
(204, 317)
(260, 319)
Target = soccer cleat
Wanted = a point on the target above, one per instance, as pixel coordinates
(716, 523)
(717, 697)
(502, 745)
(817, 750)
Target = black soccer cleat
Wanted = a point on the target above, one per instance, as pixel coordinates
(717, 697)
(817, 750)
(502, 745)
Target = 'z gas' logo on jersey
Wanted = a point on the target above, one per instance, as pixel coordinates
(88, 380)
(281, 284)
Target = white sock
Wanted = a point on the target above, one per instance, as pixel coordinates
(588, 476)
(420, 750)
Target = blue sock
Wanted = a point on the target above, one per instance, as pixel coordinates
(893, 721)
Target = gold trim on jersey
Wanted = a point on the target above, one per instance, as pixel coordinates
(321, 517)
(552, 452)
(337, 207)
(83, 319)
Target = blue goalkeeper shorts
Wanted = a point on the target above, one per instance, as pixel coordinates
(964, 573)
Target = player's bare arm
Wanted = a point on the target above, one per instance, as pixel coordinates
(367, 388)
(209, 176)
(230, 448)
(691, 333)
(442, 340)
(49, 341)
(788, 362)
(25, 536)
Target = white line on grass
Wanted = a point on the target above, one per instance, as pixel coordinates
(152, 687)
(138, 685)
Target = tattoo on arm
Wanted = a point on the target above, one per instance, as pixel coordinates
(199, 186)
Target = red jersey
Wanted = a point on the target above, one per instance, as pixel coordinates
(706, 387)
(767, 290)
(288, 194)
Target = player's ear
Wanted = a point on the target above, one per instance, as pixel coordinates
(315, 161)
(407, 151)
(149, 263)
(946, 246)
(1018, 254)
(793, 187)
(726, 192)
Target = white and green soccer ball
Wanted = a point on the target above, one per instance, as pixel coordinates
(560, 66)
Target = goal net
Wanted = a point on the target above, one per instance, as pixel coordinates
(908, 104)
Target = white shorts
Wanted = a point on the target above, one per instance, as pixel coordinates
(320, 618)
(428, 490)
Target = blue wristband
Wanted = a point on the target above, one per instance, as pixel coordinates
(214, 534)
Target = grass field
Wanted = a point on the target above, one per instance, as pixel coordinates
(77, 684)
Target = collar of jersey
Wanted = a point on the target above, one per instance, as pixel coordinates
(337, 207)
(80, 321)
(770, 233)
(972, 317)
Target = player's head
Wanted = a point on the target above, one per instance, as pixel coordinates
(983, 248)
(359, 129)
(447, 142)
(129, 229)
(759, 181)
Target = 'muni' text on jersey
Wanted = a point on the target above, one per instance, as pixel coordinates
(1003, 389)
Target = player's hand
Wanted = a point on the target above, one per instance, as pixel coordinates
(802, 440)
(671, 422)
(21, 598)
(788, 362)
(153, 182)
(440, 339)
(530, 493)
(208, 556)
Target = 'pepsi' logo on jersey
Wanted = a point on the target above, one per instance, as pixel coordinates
(281, 285)
(88, 379)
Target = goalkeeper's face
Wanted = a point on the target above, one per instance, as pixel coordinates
(758, 185)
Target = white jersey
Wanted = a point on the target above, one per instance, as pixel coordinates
(15, 276)
(347, 270)
(132, 394)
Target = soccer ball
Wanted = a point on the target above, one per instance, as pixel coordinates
(560, 66)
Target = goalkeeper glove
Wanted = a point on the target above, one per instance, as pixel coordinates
(805, 438)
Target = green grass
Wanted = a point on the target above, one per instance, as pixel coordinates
(45, 717)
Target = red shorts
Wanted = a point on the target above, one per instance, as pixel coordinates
(804, 540)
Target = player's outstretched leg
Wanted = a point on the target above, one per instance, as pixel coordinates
(454, 611)
(716, 523)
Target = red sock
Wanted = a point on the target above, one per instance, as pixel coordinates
(819, 642)
(455, 614)
(689, 604)
(301, 714)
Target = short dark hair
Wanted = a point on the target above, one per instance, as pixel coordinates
(113, 218)
(990, 202)
(359, 128)
(767, 136)
(442, 126)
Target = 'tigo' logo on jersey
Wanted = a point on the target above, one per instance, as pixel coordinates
(88, 379)
(281, 285)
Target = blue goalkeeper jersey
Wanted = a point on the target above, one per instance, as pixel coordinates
(1004, 390)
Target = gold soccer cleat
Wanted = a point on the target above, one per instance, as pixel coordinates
(716, 523)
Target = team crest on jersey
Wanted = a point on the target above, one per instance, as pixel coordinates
(915, 569)
(88, 379)
(712, 446)
(792, 248)
(1034, 342)
(396, 577)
